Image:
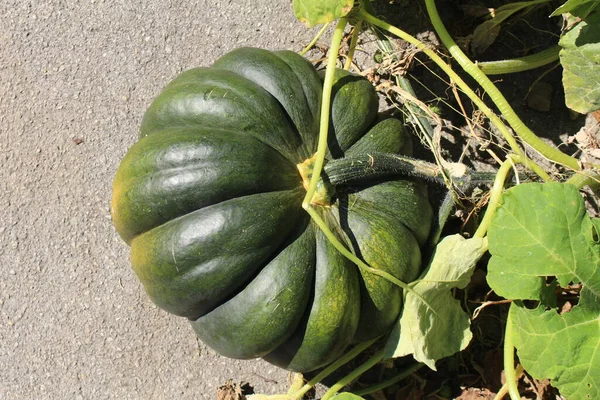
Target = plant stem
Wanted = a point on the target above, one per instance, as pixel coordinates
(353, 43)
(315, 39)
(377, 357)
(515, 122)
(509, 361)
(539, 171)
(421, 123)
(587, 178)
(389, 382)
(504, 389)
(419, 119)
(319, 159)
(336, 41)
(355, 168)
(496, 195)
(348, 254)
(526, 63)
(356, 350)
(443, 213)
(497, 188)
(343, 171)
(451, 74)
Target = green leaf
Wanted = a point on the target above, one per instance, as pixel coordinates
(564, 348)
(580, 58)
(571, 6)
(486, 33)
(540, 231)
(433, 325)
(314, 12)
(347, 396)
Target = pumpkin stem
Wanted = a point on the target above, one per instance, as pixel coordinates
(359, 168)
(367, 167)
(325, 190)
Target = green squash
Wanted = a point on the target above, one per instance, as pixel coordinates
(209, 199)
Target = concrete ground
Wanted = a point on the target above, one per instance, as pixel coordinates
(75, 79)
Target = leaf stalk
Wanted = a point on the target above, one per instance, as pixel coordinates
(355, 351)
(353, 42)
(319, 157)
(496, 195)
(509, 361)
(451, 74)
(505, 109)
(387, 383)
(315, 39)
(521, 64)
(319, 160)
(346, 380)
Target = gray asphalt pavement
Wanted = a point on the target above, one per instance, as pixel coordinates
(75, 79)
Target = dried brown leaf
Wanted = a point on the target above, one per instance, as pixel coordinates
(230, 391)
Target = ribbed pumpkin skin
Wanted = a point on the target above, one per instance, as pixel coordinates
(209, 199)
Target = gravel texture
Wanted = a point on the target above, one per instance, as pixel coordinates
(75, 79)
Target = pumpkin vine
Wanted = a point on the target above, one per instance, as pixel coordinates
(319, 160)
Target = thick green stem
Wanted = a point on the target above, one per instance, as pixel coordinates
(509, 362)
(496, 192)
(526, 63)
(387, 383)
(353, 169)
(319, 159)
(353, 43)
(583, 179)
(377, 357)
(515, 122)
(539, 171)
(348, 254)
(336, 41)
(504, 389)
(355, 351)
(496, 195)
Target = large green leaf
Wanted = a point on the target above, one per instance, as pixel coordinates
(564, 348)
(580, 58)
(433, 325)
(542, 231)
(573, 6)
(314, 12)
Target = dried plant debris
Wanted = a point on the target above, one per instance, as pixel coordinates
(233, 391)
(588, 139)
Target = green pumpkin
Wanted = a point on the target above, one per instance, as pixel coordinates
(210, 201)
